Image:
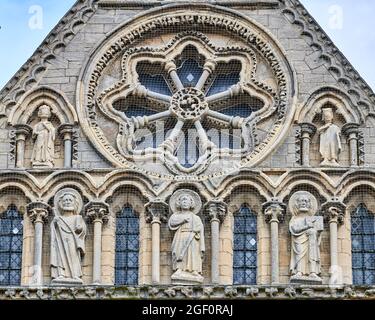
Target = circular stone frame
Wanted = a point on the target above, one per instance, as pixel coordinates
(188, 16)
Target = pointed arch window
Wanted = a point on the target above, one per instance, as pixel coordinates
(11, 242)
(245, 248)
(363, 246)
(127, 247)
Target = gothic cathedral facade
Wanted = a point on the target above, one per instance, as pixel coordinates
(164, 149)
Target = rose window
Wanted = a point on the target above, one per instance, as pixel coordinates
(188, 103)
(177, 104)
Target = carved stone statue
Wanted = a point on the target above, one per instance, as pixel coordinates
(68, 232)
(188, 245)
(306, 230)
(44, 134)
(330, 140)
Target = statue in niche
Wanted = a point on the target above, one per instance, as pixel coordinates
(68, 232)
(330, 140)
(188, 244)
(306, 230)
(44, 134)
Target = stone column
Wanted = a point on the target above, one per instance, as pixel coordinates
(156, 213)
(22, 132)
(208, 68)
(38, 214)
(307, 132)
(274, 212)
(350, 130)
(98, 213)
(66, 132)
(217, 210)
(334, 213)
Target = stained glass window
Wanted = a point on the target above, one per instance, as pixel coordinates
(363, 246)
(127, 247)
(11, 231)
(245, 247)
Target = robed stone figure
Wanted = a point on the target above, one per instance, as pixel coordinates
(68, 232)
(305, 229)
(44, 134)
(188, 244)
(330, 140)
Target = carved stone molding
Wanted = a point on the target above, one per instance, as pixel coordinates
(287, 292)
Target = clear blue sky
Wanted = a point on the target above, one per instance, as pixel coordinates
(349, 23)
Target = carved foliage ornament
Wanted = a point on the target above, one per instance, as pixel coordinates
(187, 83)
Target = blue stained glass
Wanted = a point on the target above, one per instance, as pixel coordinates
(238, 276)
(5, 226)
(357, 260)
(4, 260)
(239, 241)
(127, 247)
(223, 82)
(190, 73)
(11, 241)
(136, 111)
(5, 243)
(155, 83)
(369, 260)
(238, 259)
(363, 246)
(357, 243)
(245, 247)
(368, 226)
(368, 243)
(250, 259)
(369, 277)
(240, 110)
(358, 277)
(251, 242)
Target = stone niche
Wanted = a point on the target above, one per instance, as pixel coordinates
(58, 143)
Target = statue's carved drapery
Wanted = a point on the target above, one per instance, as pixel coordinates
(306, 228)
(44, 135)
(188, 246)
(68, 233)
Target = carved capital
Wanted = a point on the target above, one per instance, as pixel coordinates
(217, 210)
(38, 211)
(308, 128)
(170, 66)
(22, 131)
(274, 211)
(97, 211)
(210, 65)
(156, 211)
(66, 130)
(350, 128)
(334, 211)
